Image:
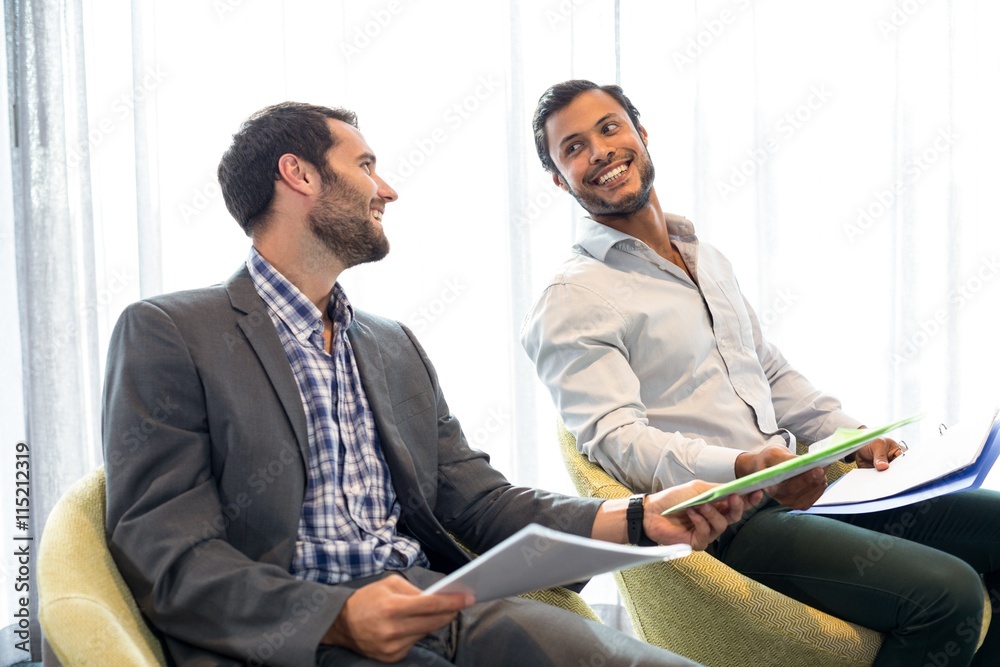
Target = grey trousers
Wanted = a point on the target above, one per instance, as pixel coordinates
(520, 633)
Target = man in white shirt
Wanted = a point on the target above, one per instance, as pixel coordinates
(657, 364)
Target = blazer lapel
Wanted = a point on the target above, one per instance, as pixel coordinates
(371, 367)
(256, 325)
(418, 516)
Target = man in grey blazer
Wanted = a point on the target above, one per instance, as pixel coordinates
(283, 473)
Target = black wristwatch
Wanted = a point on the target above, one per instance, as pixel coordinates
(633, 521)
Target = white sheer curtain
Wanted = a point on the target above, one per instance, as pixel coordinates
(842, 155)
(51, 349)
(12, 424)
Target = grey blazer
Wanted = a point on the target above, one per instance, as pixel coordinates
(205, 446)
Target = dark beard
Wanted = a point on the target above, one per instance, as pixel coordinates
(596, 205)
(351, 236)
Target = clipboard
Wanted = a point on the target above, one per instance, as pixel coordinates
(931, 459)
(970, 477)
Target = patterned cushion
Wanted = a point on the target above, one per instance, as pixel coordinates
(702, 609)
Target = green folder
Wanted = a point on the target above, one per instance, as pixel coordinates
(843, 442)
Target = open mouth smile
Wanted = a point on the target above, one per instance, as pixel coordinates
(612, 175)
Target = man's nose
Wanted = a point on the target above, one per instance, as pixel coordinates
(600, 153)
(385, 191)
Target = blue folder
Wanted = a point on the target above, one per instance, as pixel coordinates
(971, 477)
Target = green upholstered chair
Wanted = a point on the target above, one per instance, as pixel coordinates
(86, 611)
(702, 609)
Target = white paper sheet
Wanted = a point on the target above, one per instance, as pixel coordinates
(925, 461)
(970, 477)
(536, 557)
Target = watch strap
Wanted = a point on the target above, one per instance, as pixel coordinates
(633, 519)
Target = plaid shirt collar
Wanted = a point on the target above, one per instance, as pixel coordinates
(289, 304)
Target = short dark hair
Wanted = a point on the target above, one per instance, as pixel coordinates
(559, 97)
(249, 166)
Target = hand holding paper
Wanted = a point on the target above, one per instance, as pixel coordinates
(842, 443)
(878, 454)
(700, 525)
(797, 492)
(385, 619)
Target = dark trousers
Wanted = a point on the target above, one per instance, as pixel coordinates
(912, 573)
(520, 633)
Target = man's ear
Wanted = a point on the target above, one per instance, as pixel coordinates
(645, 137)
(559, 181)
(298, 174)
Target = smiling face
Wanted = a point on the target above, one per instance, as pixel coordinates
(600, 157)
(347, 217)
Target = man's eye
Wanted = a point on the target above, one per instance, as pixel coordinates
(367, 166)
(572, 148)
(610, 127)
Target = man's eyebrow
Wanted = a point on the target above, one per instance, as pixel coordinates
(367, 156)
(600, 121)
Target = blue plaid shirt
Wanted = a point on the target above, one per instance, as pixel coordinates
(349, 516)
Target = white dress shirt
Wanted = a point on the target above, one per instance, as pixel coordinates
(661, 378)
